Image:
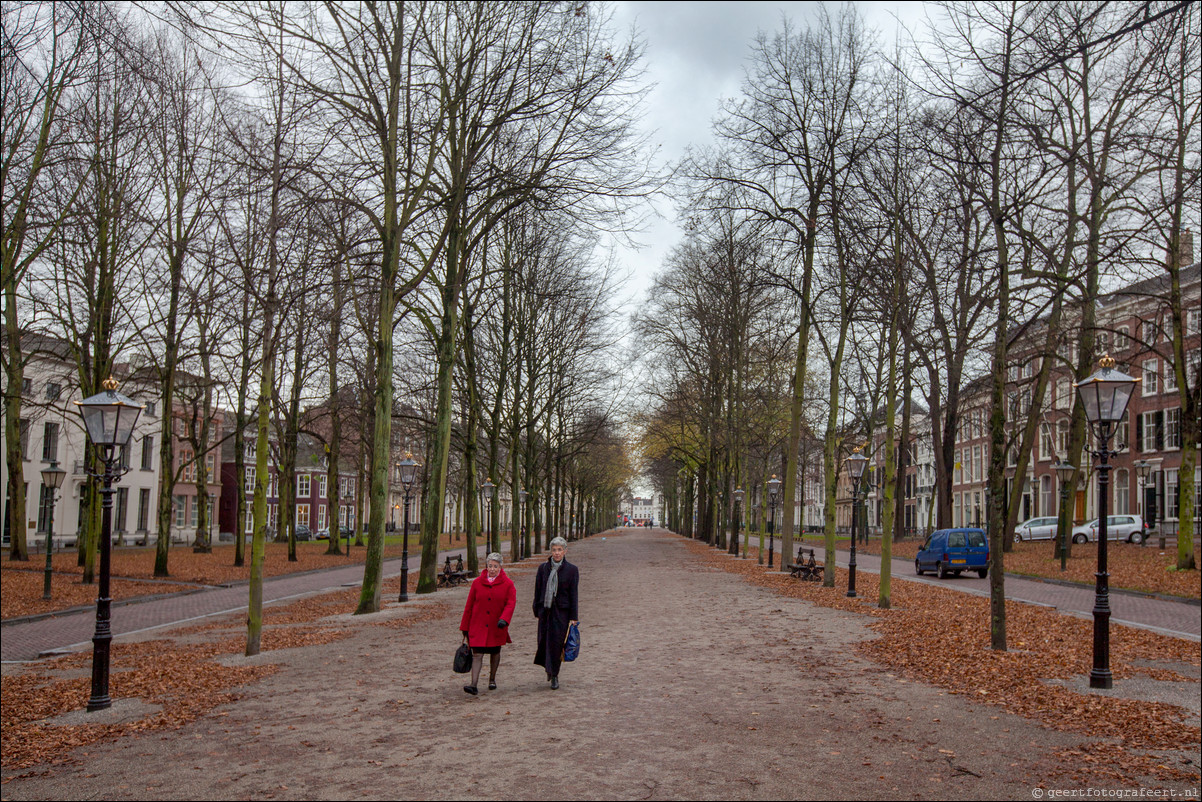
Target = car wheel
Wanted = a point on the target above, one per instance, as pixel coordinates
(917, 568)
(982, 572)
(1079, 538)
(1136, 537)
(940, 570)
(1018, 538)
(956, 574)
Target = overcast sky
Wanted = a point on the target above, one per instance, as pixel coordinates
(695, 56)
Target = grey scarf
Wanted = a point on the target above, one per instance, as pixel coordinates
(552, 584)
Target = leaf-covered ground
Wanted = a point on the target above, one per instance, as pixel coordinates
(21, 582)
(1143, 568)
(1042, 645)
(183, 677)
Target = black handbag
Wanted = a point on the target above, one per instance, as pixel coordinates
(463, 659)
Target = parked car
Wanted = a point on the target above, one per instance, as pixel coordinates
(303, 533)
(1130, 528)
(322, 534)
(951, 551)
(1036, 529)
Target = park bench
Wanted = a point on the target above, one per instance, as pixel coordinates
(806, 570)
(451, 576)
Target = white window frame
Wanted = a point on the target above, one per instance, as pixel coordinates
(304, 485)
(302, 514)
(1172, 429)
(1151, 384)
(1170, 377)
(321, 486)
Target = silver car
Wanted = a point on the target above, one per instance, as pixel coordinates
(1118, 527)
(1036, 529)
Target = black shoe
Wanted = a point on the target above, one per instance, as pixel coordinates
(554, 683)
(471, 689)
(492, 686)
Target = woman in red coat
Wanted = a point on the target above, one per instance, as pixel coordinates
(485, 624)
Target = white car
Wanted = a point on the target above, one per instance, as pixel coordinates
(1130, 528)
(1036, 529)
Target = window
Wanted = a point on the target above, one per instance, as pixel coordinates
(248, 483)
(144, 509)
(1150, 433)
(1045, 494)
(210, 467)
(302, 514)
(1193, 320)
(179, 505)
(1062, 437)
(303, 486)
(194, 517)
(23, 434)
(957, 521)
(1172, 428)
(53, 391)
(122, 509)
(1121, 338)
(150, 408)
(50, 442)
(249, 526)
(188, 462)
(321, 486)
(321, 516)
(1151, 377)
(123, 456)
(1064, 393)
(1170, 377)
(977, 471)
(959, 470)
(27, 386)
(1122, 492)
(44, 509)
(1122, 434)
(273, 487)
(148, 452)
(1172, 507)
(1045, 441)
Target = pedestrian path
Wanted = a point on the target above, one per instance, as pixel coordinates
(28, 640)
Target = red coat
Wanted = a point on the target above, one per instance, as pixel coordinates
(487, 604)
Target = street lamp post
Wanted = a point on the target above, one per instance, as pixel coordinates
(738, 494)
(773, 489)
(486, 490)
(109, 418)
(408, 470)
(52, 479)
(1064, 472)
(521, 542)
(1104, 395)
(1144, 469)
(855, 469)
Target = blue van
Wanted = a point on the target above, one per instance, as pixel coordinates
(950, 551)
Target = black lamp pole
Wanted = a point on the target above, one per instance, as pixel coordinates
(52, 478)
(1144, 468)
(408, 468)
(738, 522)
(1104, 395)
(773, 489)
(109, 418)
(855, 469)
(522, 545)
(1064, 472)
(487, 490)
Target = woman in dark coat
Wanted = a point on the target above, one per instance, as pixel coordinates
(555, 605)
(491, 601)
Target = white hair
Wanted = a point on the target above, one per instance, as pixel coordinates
(495, 557)
(558, 541)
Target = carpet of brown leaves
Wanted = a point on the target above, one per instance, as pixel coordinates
(1140, 568)
(21, 592)
(1044, 646)
(181, 676)
(21, 582)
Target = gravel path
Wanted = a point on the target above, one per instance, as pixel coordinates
(691, 684)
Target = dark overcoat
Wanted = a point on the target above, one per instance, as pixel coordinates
(487, 604)
(553, 621)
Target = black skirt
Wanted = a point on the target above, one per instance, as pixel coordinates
(486, 650)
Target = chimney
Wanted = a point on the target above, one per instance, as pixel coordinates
(1187, 249)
